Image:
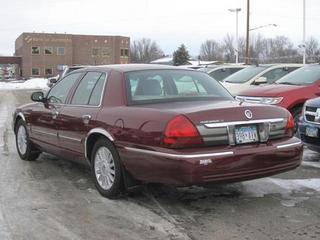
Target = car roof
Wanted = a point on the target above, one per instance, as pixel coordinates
(134, 67)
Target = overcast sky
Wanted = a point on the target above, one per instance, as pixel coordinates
(169, 22)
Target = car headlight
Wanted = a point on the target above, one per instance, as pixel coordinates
(263, 100)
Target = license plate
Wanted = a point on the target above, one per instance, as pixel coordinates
(246, 134)
(312, 132)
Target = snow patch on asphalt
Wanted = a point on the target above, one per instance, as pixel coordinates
(311, 164)
(287, 188)
(34, 83)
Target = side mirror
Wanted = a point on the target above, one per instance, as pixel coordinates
(38, 97)
(53, 80)
(260, 80)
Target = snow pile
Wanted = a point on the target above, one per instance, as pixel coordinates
(34, 83)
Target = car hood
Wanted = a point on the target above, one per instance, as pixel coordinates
(235, 88)
(273, 90)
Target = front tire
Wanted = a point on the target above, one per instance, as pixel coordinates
(25, 148)
(106, 169)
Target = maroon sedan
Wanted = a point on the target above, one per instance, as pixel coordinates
(147, 123)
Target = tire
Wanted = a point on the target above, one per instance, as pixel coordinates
(106, 169)
(296, 113)
(24, 146)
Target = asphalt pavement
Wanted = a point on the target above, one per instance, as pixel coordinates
(56, 199)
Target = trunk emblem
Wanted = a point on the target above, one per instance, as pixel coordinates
(248, 114)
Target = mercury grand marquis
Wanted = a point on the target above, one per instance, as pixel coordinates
(155, 124)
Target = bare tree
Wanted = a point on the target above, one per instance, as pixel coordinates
(145, 50)
(210, 50)
(312, 50)
(228, 49)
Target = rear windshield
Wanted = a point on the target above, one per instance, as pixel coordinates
(303, 76)
(244, 75)
(151, 86)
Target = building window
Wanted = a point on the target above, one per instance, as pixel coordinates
(60, 51)
(48, 50)
(48, 71)
(106, 51)
(124, 53)
(35, 71)
(35, 50)
(95, 51)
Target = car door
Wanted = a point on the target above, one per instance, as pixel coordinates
(78, 116)
(44, 116)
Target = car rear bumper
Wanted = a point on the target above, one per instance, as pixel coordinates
(224, 164)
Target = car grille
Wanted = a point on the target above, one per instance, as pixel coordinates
(310, 140)
(312, 114)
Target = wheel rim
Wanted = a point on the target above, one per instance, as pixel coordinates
(22, 140)
(104, 168)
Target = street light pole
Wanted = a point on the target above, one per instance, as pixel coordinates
(236, 10)
(304, 32)
(247, 37)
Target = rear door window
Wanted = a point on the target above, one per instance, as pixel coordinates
(89, 90)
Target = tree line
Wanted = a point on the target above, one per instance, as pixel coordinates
(279, 49)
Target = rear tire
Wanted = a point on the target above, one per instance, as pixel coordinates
(106, 169)
(25, 148)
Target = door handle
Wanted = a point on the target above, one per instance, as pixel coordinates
(86, 118)
(55, 114)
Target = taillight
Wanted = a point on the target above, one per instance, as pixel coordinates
(290, 127)
(180, 132)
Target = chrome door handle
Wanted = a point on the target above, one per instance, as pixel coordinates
(55, 114)
(86, 118)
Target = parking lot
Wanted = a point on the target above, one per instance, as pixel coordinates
(55, 199)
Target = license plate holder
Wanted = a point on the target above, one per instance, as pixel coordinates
(311, 131)
(246, 134)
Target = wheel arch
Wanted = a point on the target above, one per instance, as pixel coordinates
(16, 120)
(92, 137)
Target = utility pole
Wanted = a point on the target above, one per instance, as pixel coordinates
(236, 10)
(304, 32)
(247, 37)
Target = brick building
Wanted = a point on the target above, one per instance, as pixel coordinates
(42, 53)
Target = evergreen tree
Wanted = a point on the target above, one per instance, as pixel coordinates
(181, 56)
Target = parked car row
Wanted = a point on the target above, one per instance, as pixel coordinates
(135, 124)
(297, 91)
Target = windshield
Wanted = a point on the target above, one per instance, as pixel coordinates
(303, 76)
(244, 75)
(151, 86)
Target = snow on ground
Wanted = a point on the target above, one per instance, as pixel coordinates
(34, 83)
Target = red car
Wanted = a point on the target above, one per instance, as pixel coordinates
(290, 92)
(147, 123)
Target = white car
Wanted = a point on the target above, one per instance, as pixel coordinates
(220, 72)
(256, 75)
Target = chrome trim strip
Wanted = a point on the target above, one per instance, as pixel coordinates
(70, 138)
(45, 133)
(179, 156)
(225, 124)
(21, 115)
(288, 145)
(92, 131)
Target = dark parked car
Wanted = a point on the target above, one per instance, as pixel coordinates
(309, 124)
(150, 123)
